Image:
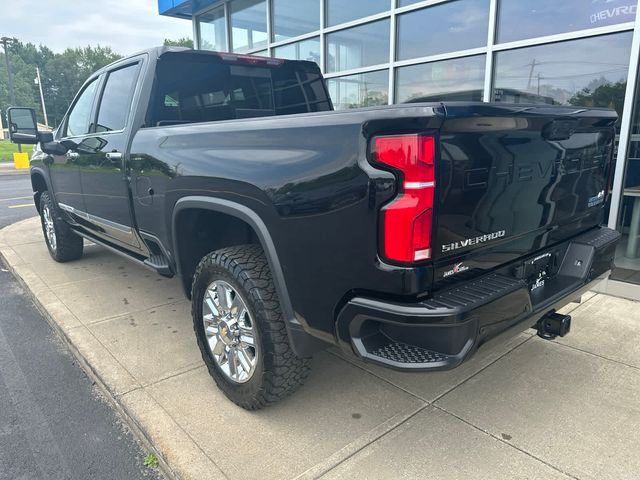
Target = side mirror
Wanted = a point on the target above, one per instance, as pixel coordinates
(22, 125)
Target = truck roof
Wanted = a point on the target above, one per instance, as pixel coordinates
(157, 52)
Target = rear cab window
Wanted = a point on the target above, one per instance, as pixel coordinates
(203, 87)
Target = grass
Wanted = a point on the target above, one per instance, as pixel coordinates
(7, 149)
(151, 461)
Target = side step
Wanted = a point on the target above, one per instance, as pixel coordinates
(160, 264)
(404, 353)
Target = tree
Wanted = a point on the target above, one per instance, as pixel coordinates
(601, 93)
(62, 75)
(181, 42)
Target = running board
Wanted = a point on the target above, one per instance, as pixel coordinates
(145, 262)
(160, 264)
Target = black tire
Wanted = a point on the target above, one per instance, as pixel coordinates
(66, 245)
(278, 371)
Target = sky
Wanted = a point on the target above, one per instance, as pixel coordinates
(125, 26)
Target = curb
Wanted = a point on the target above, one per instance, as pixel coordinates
(7, 172)
(137, 430)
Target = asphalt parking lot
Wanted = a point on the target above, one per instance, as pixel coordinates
(54, 420)
(521, 408)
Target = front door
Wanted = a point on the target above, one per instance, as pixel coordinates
(64, 169)
(103, 163)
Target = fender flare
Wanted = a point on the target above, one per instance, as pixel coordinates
(47, 181)
(301, 342)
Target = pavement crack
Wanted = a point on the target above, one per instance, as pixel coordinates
(501, 440)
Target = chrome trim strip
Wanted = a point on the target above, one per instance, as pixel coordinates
(98, 220)
(416, 185)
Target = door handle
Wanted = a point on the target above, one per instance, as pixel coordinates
(114, 156)
(72, 155)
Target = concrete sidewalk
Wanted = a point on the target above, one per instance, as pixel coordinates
(526, 408)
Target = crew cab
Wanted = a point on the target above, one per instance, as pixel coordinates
(408, 235)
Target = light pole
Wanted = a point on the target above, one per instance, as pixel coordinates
(44, 107)
(6, 41)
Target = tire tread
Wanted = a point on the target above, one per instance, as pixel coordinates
(284, 371)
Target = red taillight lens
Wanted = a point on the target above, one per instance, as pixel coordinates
(406, 221)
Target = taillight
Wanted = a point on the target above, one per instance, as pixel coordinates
(406, 221)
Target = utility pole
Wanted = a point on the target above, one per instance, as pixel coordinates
(533, 65)
(6, 41)
(44, 107)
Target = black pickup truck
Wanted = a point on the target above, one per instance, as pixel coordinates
(407, 235)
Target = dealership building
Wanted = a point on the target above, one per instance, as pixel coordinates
(375, 52)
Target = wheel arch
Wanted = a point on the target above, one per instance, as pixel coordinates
(39, 184)
(303, 343)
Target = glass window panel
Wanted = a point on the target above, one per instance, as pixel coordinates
(459, 79)
(340, 11)
(261, 53)
(295, 17)
(566, 73)
(303, 50)
(362, 90)
(520, 19)
(248, 24)
(403, 3)
(213, 30)
(116, 99)
(79, 118)
(443, 28)
(358, 46)
(627, 263)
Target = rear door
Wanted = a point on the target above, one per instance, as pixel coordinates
(514, 179)
(102, 164)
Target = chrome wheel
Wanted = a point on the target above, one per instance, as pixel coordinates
(230, 331)
(49, 228)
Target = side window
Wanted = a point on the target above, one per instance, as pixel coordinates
(116, 99)
(78, 122)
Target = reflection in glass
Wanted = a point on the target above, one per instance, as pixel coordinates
(627, 262)
(358, 46)
(340, 11)
(520, 19)
(212, 30)
(459, 79)
(446, 27)
(79, 118)
(403, 3)
(566, 73)
(362, 90)
(248, 24)
(116, 99)
(295, 17)
(303, 50)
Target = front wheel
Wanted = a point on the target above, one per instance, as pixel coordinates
(63, 243)
(240, 330)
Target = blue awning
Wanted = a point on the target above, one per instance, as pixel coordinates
(183, 8)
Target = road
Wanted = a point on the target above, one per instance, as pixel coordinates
(53, 422)
(16, 199)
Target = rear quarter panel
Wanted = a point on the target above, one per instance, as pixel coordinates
(307, 178)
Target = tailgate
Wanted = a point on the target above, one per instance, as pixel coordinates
(516, 178)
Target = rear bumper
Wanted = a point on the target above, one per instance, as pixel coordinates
(445, 330)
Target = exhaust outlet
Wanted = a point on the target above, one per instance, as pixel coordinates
(553, 325)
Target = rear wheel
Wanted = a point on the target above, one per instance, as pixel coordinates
(240, 330)
(63, 243)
